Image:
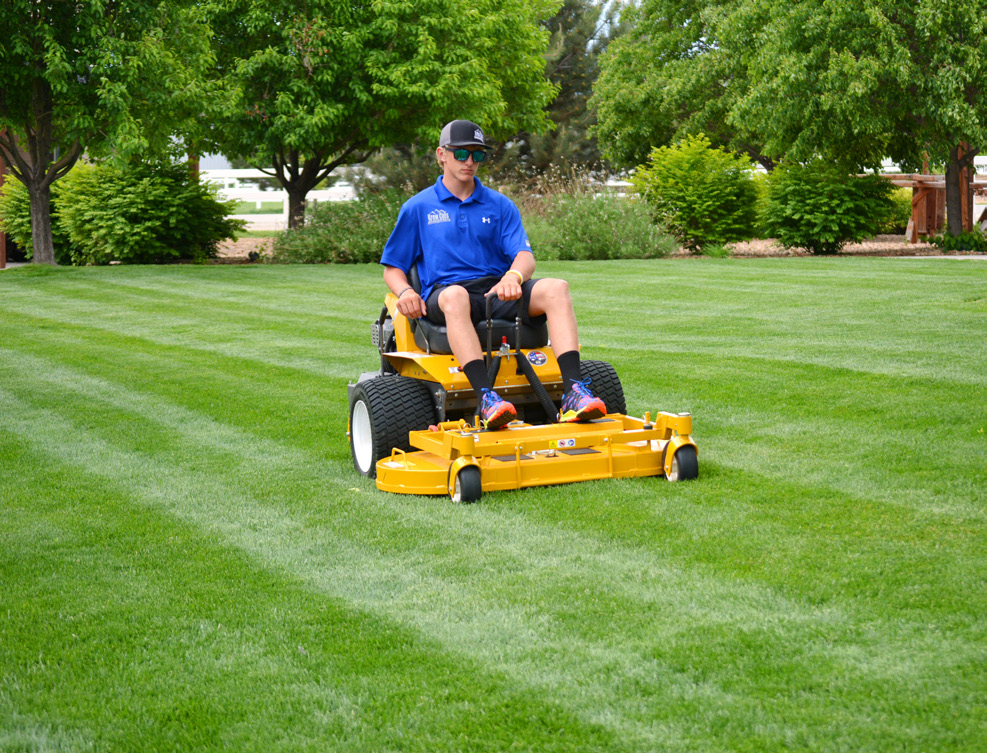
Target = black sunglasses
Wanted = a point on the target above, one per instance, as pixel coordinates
(463, 154)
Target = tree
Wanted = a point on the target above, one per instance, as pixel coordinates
(318, 84)
(860, 81)
(75, 77)
(677, 71)
(580, 31)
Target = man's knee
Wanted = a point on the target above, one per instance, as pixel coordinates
(454, 302)
(550, 294)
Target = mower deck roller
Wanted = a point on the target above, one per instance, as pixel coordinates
(413, 424)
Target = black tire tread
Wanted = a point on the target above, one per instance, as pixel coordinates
(688, 461)
(470, 484)
(605, 385)
(396, 406)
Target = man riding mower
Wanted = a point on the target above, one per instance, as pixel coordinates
(458, 266)
(413, 424)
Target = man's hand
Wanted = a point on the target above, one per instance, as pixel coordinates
(411, 304)
(508, 289)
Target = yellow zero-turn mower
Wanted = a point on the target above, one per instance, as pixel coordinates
(413, 424)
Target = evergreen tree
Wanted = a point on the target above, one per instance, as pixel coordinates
(580, 33)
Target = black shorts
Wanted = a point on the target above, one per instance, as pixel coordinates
(477, 290)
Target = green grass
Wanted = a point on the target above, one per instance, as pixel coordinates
(266, 207)
(189, 562)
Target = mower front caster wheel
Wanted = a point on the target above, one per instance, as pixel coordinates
(467, 487)
(685, 464)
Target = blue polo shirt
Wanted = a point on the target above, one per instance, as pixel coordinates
(452, 240)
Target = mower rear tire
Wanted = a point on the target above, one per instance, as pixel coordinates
(382, 412)
(605, 385)
(468, 487)
(685, 464)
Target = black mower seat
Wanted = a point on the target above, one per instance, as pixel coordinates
(433, 338)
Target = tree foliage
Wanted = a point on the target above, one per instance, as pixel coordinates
(318, 84)
(676, 71)
(871, 79)
(581, 32)
(853, 82)
(119, 76)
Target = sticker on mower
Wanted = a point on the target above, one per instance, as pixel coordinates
(561, 444)
(537, 358)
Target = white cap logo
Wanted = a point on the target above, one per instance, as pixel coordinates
(478, 135)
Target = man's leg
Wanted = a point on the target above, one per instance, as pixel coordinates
(551, 297)
(454, 302)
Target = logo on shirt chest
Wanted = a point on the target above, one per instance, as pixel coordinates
(438, 215)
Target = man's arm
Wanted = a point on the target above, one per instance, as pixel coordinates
(508, 288)
(409, 302)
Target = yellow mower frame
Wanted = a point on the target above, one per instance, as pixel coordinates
(412, 424)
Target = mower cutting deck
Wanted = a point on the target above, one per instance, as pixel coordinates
(413, 423)
(463, 461)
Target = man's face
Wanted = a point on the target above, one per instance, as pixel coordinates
(453, 168)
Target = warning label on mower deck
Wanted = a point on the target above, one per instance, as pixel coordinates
(561, 444)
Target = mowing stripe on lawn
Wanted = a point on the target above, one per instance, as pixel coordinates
(213, 634)
(398, 587)
(779, 602)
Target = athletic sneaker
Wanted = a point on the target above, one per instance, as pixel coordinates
(579, 404)
(495, 411)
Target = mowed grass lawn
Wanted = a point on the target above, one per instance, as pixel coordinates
(189, 562)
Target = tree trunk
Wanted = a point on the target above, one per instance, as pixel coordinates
(37, 169)
(298, 175)
(41, 237)
(959, 158)
(296, 205)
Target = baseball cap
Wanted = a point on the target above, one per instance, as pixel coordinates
(462, 133)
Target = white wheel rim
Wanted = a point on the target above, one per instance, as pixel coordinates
(363, 443)
(457, 491)
(674, 474)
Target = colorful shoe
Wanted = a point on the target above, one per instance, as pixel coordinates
(495, 411)
(579, 404)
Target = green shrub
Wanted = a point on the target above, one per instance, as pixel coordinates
(569, 216)
(821, 208)
(968, 240)
(703, 195)
(344, 232)
(146, 213)
(716, 252)
(606, 226)
(899, 213)
(15, 218)
(760, 182)
(566, 217)
(542, 234)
